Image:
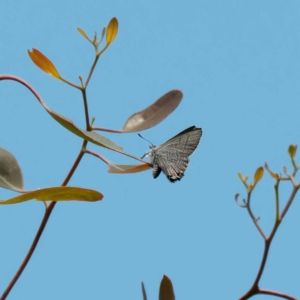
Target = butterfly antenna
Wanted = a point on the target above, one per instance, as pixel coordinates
(145, 139)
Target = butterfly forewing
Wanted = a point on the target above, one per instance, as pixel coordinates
(172, 156)
(186, 141)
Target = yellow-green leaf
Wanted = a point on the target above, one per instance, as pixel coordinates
(258, 175)
(274, 175)
(111, 31)
(241, 177)
(92, 137)
(61, 193)
(82, 33)
(43, 63)
(292, 150)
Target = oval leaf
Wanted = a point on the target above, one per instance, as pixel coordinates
(92, 137)
(111, 31)
(153, 114)
(103, 33)
(10, 172)
(274, 175)
(258, 175)
(166, 291)
(61, 193)
(124, 169)
(43, 63)
(241, 177)
(292, 150)
(82, 33)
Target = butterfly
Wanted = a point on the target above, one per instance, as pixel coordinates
(172, 157)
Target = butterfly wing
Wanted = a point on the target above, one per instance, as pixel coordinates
(173, 164)
(172, 156)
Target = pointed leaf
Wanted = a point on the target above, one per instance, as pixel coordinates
(10, 172)
(258, 175)
(125, 169)
(292, 150)
(111, 31)
(153, 114)
(92, 137)
(241, 177)
(43, 63)
(274, 175)
(61, 193)
(166, 291)
(82, 33)
(103, 33)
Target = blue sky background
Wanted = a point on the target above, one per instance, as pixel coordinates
(238, 65)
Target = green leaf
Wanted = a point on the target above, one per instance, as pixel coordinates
(61, 193)
(82, 33)
(10, 172)
(241, 177)
(274, 175)
(153, 114)
(292, 150)
(92, 137)
(166, 291)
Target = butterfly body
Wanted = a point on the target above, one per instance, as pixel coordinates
(172, 157)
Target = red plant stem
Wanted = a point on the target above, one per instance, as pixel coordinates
(278, 294)
(255, 290)
(31, 250)
(289, 202)
(42, 227)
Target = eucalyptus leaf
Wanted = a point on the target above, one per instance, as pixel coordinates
(125, 169)
(60, 193)
(10, 172)
(166, 291)
(153, 114)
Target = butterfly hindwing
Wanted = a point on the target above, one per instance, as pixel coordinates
(173, 164)
(172, 156)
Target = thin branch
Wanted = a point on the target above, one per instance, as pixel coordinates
(31, 250)
(86, 110)
(107, 129)
(294, 192)
(124, 153)
(43, 224)
(91, 71)
(253, 217)
(277, 294)
(254, 290)
(276, 187)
